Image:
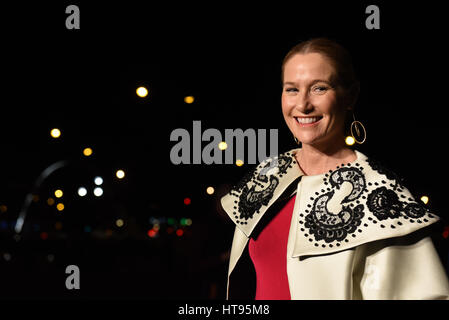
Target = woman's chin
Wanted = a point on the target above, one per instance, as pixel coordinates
(307, 140)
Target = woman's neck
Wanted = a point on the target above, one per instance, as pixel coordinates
(315, 160)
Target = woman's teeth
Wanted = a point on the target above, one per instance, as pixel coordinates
(307, 120)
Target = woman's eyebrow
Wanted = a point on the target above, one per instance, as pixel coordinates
(312, 82)
(321, 80)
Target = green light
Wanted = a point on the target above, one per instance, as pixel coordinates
(183, 221)
(171, 221)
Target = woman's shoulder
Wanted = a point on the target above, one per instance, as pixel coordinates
(356, 203)
(259, 188)
(274, 167)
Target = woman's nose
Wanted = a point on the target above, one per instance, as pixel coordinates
(303, 104)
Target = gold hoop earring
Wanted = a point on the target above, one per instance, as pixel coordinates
(355, 125)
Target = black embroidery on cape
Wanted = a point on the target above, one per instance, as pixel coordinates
(385, 204)
(329, 226)
(352, 175)
(383, 200)
(250, 199)
(282, 163)
(415, 210)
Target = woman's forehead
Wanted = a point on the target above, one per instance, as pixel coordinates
(309, 66)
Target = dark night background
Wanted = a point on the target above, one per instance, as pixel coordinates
(227, 56)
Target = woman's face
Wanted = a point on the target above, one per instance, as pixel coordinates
(312, 103)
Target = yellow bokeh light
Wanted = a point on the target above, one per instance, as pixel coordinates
(425, 199)
(87, 152)
(60, 206)
(55, 133)
(142, 92)
(350, 140)
(50, 201)
(189, 99)
(119, 223)
(222, 145)
(120, 174)
(210, 190)
(156, 226)
(58, 193)
(239, 163)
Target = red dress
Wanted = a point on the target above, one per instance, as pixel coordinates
(269, 256)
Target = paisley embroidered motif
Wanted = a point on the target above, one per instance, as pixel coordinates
(415, 210)
(385, 203)
(329, 226)
(352, 175)
(250, 199)
(382, 202)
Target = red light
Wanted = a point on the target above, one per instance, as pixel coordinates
(446, 232)
(170, 230)
(152, 233)
(179, 232)
(187, 201)
(44, 235)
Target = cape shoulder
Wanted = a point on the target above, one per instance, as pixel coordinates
(356, 203)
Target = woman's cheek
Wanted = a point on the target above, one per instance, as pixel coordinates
(285, 106)
(284, 101)
(289, 103)
(324, 104)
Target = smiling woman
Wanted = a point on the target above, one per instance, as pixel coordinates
(319, 91)
(324, 221)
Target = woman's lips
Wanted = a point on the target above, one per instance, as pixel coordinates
(308, 121)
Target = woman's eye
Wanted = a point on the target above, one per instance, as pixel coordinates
(291, 90)
(319, 89)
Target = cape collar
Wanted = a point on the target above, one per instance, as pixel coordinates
(356, 203)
